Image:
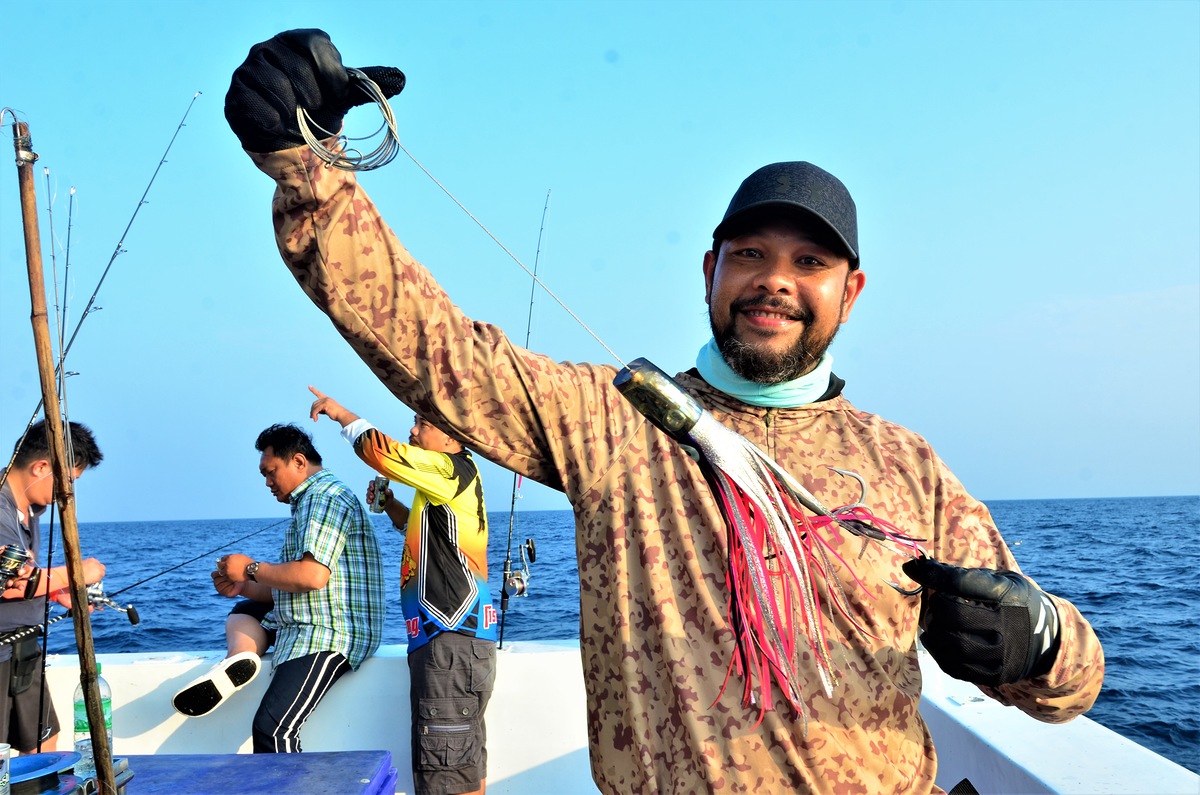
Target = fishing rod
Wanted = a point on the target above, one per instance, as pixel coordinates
(201, 555)
(61, 468)
(12, 558)
(517, 583)
(118, 250)
(95, 596)
(61, 376)
(53, 402)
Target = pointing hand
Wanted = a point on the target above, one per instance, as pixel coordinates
(330, 408)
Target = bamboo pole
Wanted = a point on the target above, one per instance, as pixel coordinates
(64, 493)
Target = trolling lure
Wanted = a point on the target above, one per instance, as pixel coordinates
(776, 549)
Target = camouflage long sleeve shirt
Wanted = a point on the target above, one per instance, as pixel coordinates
(654, 633)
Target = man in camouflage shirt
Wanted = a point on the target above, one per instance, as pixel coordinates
(652, 542)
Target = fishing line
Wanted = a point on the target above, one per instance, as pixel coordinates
(90, 308)
(59, 317)
(514, 257)
(67, 266)
(375, 160)
(201, 555)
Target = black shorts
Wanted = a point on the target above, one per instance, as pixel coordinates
(19, 721)
(255, 609)
(250, 607)
(451, 680)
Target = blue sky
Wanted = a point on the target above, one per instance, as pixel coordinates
(1027, 177)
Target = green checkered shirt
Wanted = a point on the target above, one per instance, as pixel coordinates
(346, 615)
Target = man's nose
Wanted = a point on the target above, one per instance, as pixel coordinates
(775, 275)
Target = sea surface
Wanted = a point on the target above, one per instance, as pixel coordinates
(1132, 566)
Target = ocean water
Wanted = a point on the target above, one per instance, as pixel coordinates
(1130, 565)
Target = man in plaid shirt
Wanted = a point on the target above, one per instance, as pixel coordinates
(322, 604)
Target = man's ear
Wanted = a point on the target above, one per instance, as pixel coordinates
(855, 281)
(40, 468)
(710, 267)
(300, 460)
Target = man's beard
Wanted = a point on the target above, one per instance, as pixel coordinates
(763, 366)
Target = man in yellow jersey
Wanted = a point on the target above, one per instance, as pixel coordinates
(448, 613)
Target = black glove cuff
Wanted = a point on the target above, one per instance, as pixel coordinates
(1046, 639)
(992, 642)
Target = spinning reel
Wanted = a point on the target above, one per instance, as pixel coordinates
(14, 558)
(516, 583)
(11, 561)
(96, 596)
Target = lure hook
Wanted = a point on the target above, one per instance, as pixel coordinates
(914, 592)
(907, 592)
(862, 485)
(862, 504)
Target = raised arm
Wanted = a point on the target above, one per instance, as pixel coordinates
(521, 410)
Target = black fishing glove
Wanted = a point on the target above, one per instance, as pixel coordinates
(297, 68)
(985, 626)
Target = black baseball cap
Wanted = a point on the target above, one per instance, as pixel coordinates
(797, 188)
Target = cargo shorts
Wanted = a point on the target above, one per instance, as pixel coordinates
(451, 679)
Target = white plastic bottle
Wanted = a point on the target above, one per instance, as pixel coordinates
(86, 767)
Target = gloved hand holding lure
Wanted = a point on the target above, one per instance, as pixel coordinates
(985, 626)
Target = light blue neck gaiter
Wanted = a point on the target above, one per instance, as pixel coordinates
(790, 394)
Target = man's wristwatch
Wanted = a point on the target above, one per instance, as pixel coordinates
(251, 570)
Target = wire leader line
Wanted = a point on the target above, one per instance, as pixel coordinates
(384, 154)
(514, 257)
(344, 156)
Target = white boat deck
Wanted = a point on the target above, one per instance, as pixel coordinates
(537, 731)
(537, 736)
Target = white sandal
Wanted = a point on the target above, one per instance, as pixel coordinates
(222, 680)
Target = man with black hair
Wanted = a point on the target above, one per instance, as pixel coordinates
(23, 498)
(322, 605)
(678, 698)
(448, 613)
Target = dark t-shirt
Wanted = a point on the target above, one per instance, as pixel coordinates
(18, 613)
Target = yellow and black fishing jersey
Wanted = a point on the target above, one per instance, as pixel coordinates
(443, 571)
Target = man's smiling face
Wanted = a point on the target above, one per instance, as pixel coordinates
(776, 299)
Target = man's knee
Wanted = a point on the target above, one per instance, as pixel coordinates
(267, 732)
